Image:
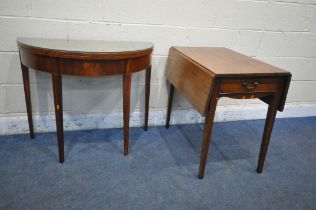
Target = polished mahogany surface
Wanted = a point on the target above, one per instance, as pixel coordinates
(85, 46)
(225, 62)
(84, 58)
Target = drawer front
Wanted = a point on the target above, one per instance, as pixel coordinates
(249, 85)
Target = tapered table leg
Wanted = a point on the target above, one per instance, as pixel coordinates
(126, 109)
(272, 111)
(170, 99)
(58, 101)
(207, 134)
(27, 93)
(147, 93)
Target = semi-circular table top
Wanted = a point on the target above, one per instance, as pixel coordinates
(84, 57)
(96, 48)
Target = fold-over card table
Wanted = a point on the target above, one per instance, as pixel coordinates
(84, 58)
(205, 74)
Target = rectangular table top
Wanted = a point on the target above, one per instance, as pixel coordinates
(225, 62)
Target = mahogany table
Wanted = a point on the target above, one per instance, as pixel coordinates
(204, 75)
(84, 58)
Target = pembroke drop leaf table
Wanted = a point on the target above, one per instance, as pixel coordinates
(204, 74)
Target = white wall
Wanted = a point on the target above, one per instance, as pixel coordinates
(282, 33)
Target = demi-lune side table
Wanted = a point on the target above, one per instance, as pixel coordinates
(205, 74)
(84, 58)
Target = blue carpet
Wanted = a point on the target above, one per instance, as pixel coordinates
(160, 171)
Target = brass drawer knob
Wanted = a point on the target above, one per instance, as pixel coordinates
(250, 85)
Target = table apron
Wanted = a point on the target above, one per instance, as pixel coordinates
(84, 67)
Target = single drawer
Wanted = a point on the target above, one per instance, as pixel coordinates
(249, 85)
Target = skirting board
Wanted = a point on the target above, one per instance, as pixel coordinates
(18, 124)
